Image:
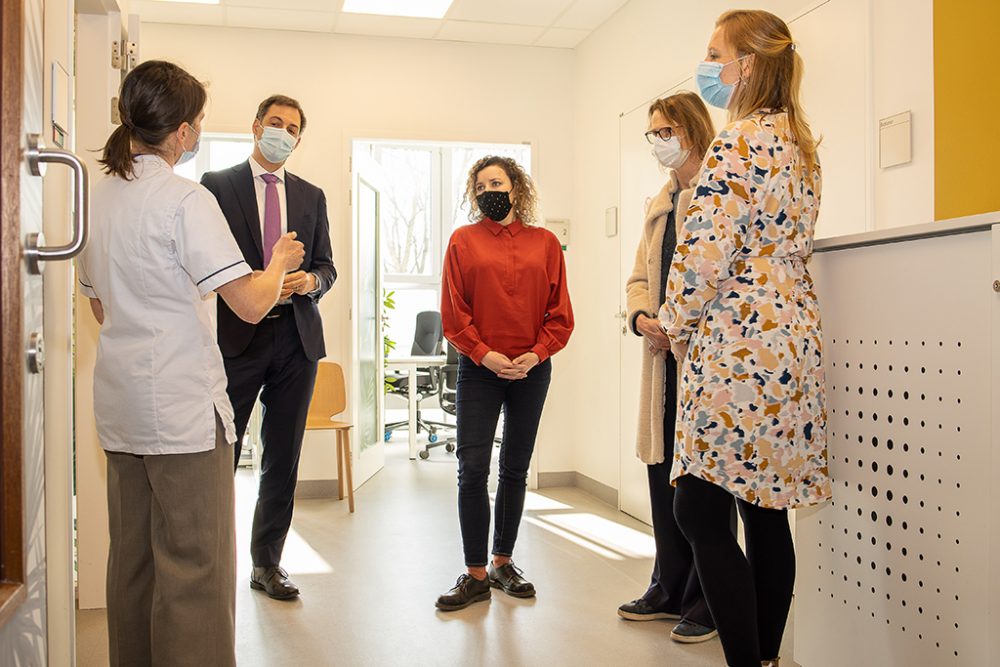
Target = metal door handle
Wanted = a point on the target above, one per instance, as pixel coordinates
(37, 155)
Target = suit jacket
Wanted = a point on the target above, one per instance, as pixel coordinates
(306, 204)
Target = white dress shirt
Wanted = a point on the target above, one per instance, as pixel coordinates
(159, 245)
(259, 187)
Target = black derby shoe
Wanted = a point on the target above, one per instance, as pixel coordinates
(508, 577)
(466, 591)
(274, 581)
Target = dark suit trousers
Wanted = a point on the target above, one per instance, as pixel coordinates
(274, 365)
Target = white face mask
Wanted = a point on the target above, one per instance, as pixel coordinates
(668, 152)
(276, 144)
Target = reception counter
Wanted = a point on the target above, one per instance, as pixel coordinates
(903, 566)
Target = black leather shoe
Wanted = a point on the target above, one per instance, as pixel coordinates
(508, 577)
(274, 581)
(466, 591)
(641, 610)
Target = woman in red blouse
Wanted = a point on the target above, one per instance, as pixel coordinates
(505, 307)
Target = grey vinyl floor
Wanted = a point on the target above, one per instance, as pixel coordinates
(369, 581)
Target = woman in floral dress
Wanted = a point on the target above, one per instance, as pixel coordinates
(742, 316)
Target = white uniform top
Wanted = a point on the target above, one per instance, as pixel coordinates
(159, 245)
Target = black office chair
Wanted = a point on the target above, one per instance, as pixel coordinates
(448, 397)
(427, 339)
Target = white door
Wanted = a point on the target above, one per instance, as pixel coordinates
(29, 575)
(640, 179)
(369, 369)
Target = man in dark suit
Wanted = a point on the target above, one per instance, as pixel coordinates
(277, 357)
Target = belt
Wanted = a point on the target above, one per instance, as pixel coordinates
(279, 311)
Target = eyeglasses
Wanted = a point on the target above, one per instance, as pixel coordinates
(663, 133)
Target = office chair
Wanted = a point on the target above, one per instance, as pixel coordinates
(427, 338)
(448, 397)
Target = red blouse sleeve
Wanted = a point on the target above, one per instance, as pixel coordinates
(558, 325)
(456, 312)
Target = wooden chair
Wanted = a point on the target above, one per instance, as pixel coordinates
(330, 399)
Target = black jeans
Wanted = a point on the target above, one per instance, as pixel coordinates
(481, 397)
(749, 595)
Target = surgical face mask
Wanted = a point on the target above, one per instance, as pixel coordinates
(494, 204)
(710, 85)
(187, 156)
(276, 144)
(669, 153)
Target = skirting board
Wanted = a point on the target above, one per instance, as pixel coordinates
(603, 492)
(316, 488)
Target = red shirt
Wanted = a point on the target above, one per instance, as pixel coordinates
(504, 289)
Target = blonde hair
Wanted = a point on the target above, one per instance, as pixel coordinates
(776, 75)
(522, 194)
(687, 110)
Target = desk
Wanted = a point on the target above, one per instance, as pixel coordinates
(410, 365)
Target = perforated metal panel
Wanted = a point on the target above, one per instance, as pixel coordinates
(897, 569)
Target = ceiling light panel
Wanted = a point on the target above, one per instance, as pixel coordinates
(430, 9)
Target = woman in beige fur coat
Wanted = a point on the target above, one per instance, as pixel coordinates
(680, 131)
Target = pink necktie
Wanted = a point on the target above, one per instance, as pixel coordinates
(272, 216)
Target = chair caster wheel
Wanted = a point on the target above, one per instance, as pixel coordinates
(449, 447)
(424, 454)
(432, 437)
(388, 436)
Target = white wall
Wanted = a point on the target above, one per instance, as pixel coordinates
(633, 58)
(369, 87)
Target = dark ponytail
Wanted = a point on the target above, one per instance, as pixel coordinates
(156, 98)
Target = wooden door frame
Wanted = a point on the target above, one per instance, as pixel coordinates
(12, 568)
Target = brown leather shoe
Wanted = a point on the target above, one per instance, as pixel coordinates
(274, 581)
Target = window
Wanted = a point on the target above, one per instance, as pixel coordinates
(218, 151)
(422, 203)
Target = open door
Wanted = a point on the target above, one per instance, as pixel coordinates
(368, 383)
(36, 593)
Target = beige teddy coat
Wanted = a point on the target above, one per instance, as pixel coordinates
(644, 298)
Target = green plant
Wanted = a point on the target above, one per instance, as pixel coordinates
(388, 344)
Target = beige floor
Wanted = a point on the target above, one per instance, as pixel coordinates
(369, 582)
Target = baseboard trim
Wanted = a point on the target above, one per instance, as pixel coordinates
(316, 488)
(606, 494)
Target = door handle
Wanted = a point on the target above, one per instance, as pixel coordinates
(37, 155)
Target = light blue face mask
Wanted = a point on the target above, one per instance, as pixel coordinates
(710, 85)
(187, 156)
(276, 144)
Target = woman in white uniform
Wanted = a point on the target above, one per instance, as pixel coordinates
(160, 245)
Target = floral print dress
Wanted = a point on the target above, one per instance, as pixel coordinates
(752, 415)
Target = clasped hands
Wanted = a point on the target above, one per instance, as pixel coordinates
(657, 341)
(507, 369)
(290, 251)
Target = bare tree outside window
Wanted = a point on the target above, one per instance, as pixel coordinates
(407, 236)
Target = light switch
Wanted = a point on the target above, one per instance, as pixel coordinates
(894, 140)
(611, 221)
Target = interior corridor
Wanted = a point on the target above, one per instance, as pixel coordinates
(369, 582)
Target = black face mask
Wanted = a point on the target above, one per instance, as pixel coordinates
(494, 204)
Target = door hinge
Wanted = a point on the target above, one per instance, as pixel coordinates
(123, 55)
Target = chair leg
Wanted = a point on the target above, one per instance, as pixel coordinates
(340, 465)
(350, 471)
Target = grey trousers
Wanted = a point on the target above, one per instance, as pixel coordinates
(172, 563)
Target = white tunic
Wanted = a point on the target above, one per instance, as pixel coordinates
(159, 245)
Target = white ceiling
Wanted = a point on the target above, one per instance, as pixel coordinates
(552, 23)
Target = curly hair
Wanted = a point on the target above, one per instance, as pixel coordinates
(522, 194)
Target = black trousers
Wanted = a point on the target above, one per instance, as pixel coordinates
(275, 366)
(481, 396)
(749, 595)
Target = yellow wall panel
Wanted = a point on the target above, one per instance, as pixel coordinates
(966, 107)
